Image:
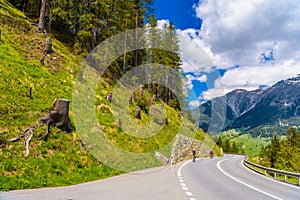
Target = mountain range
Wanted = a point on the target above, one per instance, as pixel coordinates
(263, 110)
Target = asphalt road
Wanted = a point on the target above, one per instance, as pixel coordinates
(227, 179)
(207, 179)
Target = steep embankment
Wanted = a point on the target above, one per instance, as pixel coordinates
(60, 160)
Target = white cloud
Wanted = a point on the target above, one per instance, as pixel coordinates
(195, 55)
(194, 103)
(161, 23)
(242, 30)
(251, 78)
(260, 36)
(202, 78)
(188, 81)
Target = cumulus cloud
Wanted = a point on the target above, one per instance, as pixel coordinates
(259, 36)
(252, 77)
(242, 30)
(195, 55)
(161, 23)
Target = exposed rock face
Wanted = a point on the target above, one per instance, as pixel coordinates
(183, 149)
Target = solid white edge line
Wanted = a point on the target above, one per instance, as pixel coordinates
(180, 168)
(271, 179)
(250, 186)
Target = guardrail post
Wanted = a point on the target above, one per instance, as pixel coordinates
(284, 178)
(270, 171)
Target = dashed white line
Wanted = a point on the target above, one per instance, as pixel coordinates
(185, 188)
(188, 193)
(250, 186)
(183, 185)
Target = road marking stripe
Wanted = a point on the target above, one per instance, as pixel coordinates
(180, 168)
(271, 179)
(250, 186)
(188, 193)
(183, 185)
(185, 188)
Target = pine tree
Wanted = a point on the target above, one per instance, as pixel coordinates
(234, 148)
(226, 146)
(220, 142)
(273, 149)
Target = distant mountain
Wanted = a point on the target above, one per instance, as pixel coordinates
(269, 109)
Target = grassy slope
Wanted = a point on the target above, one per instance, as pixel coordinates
(58, 161)
(251, 145)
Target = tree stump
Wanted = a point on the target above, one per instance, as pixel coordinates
(130, 101)
(154, 97)
(48, 46)
(138, 113)
(109, 97)
(58, 116)
(119, 123)
(142, 87)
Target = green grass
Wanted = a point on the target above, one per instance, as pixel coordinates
(251, 145)
(60, 160)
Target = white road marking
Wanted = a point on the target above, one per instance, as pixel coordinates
(180, 168)
(271, 179)
(185, 188)
(250, 186)
(188, 193)
(183, 185)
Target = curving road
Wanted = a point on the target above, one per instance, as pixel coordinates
(218, 178)
(227, 178)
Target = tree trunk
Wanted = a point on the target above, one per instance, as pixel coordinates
(136, 31)
(41, 24)
(124, 54)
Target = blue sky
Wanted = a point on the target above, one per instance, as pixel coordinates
(231, 44)
(180, 12)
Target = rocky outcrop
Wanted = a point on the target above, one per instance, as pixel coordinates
(183, 147)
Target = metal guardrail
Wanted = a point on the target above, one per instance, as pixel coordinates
(271, 170)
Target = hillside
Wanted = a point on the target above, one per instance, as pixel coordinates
(61, 160)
